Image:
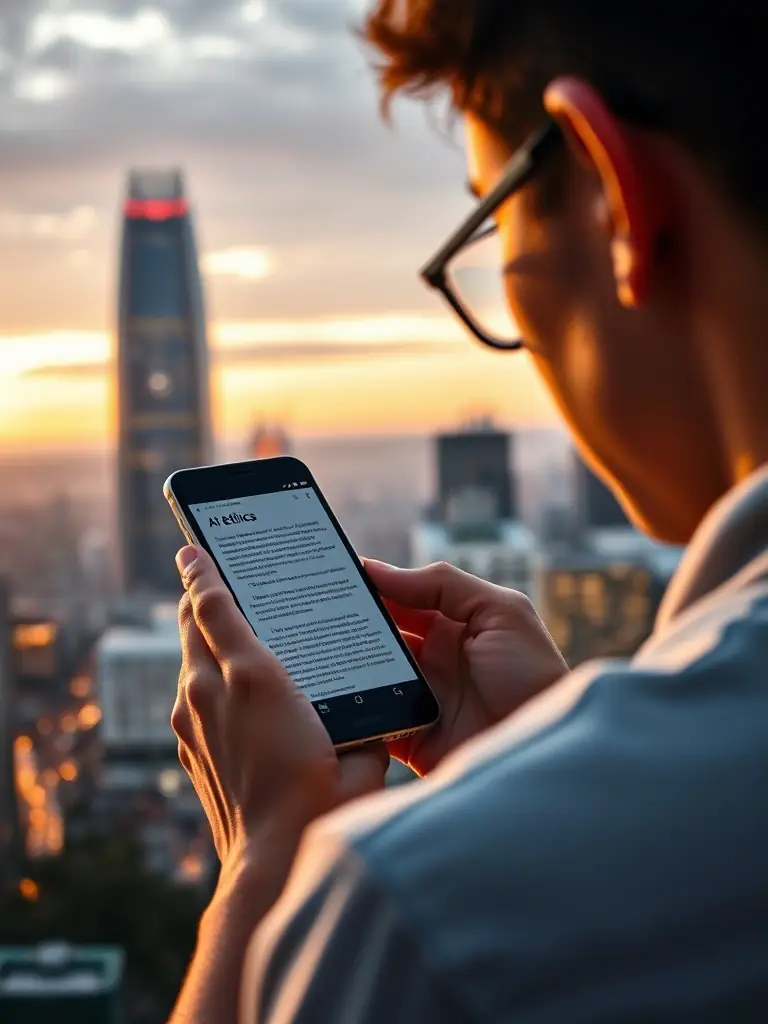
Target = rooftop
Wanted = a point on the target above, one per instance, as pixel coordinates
(155, 184)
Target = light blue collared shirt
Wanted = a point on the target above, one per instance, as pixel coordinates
(600, 857)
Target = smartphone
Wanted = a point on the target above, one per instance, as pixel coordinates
(298, 582)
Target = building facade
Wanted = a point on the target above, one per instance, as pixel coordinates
(473, 465)
(163, 375)
(597, 506)
(473, 522)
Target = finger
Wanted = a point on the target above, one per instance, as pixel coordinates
(363, 771)
(440, 587)
(411, 620)
(194, 649)
(198, 666)
(227, 634)
(415, 643)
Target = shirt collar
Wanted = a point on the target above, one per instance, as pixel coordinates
(732, 538)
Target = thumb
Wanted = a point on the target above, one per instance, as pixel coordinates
(215, 610)
(440, 587)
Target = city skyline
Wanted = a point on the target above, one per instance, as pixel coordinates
(313, 219)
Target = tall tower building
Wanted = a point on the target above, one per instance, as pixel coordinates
(163, 385)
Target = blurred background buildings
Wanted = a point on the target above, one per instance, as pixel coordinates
(104, 854)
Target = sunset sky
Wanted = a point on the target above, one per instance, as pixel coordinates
(312, 219)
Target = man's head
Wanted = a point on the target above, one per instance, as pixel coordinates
(634, 261)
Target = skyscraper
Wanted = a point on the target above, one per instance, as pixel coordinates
(163, 400)
(597, 506)
(473, 466)
(473, 523)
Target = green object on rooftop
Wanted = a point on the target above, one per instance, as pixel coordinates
(60, 984)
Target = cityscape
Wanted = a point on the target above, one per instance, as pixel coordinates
(424, 448)
(89, 644)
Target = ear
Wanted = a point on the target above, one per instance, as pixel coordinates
(630, 183)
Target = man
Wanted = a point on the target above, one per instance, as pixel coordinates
(599, 852)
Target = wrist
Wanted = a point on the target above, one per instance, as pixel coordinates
(253, 874)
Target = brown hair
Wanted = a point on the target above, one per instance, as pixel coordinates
(692, 71)
(425, 48)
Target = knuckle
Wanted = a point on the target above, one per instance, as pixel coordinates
(440, 570)
(210, 602)
(192, 574)
(185, 611)
(521, 603)
(200, 690)
(180, 720)
(238, 670)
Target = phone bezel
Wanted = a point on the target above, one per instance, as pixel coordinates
(416, 707)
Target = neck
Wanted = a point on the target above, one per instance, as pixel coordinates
(732, 345)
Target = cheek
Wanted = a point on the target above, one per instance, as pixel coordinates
(563, 301)
(539, 283)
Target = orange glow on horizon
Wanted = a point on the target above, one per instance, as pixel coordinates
(324, 396)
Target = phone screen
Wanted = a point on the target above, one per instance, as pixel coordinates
(302, 593)
(301, 588)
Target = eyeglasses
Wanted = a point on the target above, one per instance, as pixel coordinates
(467, 269)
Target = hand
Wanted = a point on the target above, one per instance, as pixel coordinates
(255, 749)
(482, 648)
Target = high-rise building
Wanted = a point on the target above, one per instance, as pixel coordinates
(474, 468)
(163, 379)
(598, 508)
(595, 608)
(602, 584)
(473, 523)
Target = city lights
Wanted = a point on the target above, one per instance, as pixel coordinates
(23, 745)
(80, 687)
(38, 634)
(29, 889)
(89, 716)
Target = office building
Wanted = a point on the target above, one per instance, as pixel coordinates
(602, 584)
(598, 508)
(474, 472)
(137, 672)
(595, 608)
(163, 377)
(143, 791)
(473, 522)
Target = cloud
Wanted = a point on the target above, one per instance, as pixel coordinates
(248, 264)
(42, 85)
(146, 29)
(73, 226)
(274, 120)
(266, 355)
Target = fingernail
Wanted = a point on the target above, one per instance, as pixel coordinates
(185, 559)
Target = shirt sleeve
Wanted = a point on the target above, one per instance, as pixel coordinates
(335, 949)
